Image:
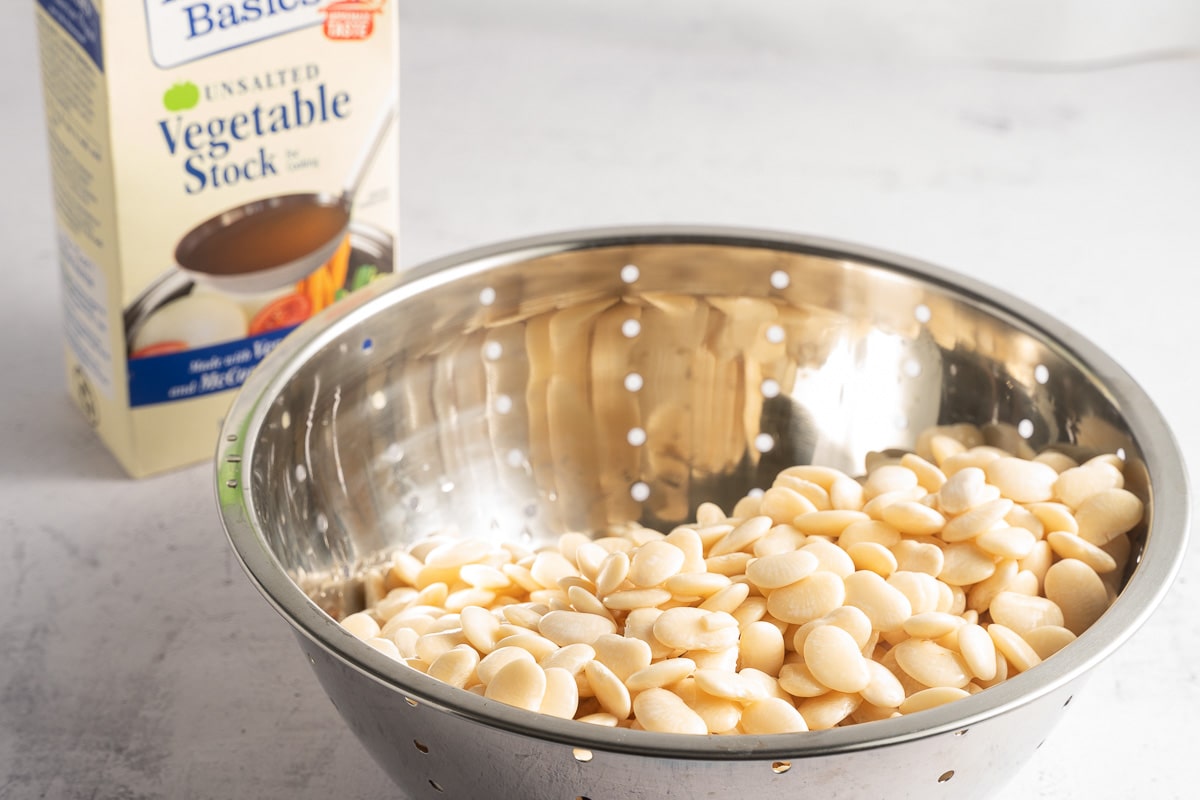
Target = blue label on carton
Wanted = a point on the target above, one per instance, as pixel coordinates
(193, 373)
(81, 21)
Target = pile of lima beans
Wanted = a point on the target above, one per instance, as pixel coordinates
(825, 600)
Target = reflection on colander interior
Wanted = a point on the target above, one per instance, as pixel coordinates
(584, 389)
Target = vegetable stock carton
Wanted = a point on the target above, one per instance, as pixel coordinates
(222, 170)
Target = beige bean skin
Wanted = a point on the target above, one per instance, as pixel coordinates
(1078, 591)
(729, 564)
(639, 624)
(1023, 613)
(1006, 542)
(931, 624)
(695, 584)
(538, 646)
(613, 572)
(808, 599)
(929, 477)
(385, 646)
(493, 662)
(548, 567)
(752, 609)
(1076, 485)
(1067, 545)
(719, 714)
(931, 664)
(608, 688)
(729, 685)
(761, 647)
(480, 627)
(1015, 650)
(886, 606)
(1048, 640)
(661, 711)
(931, 698)
(830, 557)
(920, 589)
(1107, 514)
(846, 494)
(742, 537)
(797, 680)
(572, 658)
(1059, 462)
(687, 540)
(432, 645)
(570, 627)
(661, 673)
(520, 683)
(1054, 517)
(630, 599)
(561, 698)
(827, 523)
(1038, 560)
(966, 564)
(849, 618)
(834, 659)
(456, 666)
(654, 562)
(962, 491)
(728, 599)
(914, 556)
(874, 531)
(827, 710)
(976, 520)
(622, 654)
(601, 718)
(1020, 480)
(1022, 517)
(686, 628)
(362, 625)
(772, 715)
(783, 504)
(913, 518)
(978, 651)
(814, 492)
(777, 571)
(780, 539)
(883, 689)
(889, 478)
(725, 660)
(872, 556)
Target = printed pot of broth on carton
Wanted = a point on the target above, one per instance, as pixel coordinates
(222, 171)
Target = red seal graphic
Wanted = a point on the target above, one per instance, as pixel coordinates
(351, 19)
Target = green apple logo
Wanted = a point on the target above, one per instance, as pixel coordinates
(181, 96)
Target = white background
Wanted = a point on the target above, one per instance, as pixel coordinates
(1050, 149)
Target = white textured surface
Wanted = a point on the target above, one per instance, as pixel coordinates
(136, 661)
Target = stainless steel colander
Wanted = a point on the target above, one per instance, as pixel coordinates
(582, 380)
